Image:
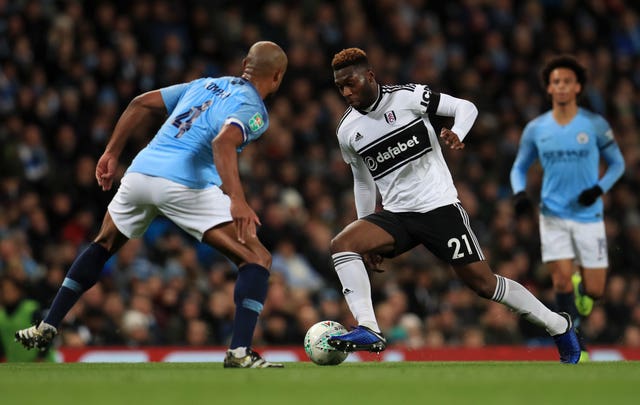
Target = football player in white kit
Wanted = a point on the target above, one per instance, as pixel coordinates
(386, 137)
(189, 173)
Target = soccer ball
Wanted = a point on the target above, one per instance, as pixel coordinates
(317, 346)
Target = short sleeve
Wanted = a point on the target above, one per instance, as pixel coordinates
(252, 119)
(171, 95)
(349, 155)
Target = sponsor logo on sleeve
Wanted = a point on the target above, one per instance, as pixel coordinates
(609, 134)
(256, 122)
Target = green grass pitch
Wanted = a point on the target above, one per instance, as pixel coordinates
(305, 383)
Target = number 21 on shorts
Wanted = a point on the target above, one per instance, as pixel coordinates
(456, 244)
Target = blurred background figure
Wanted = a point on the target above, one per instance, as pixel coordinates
(17, 311)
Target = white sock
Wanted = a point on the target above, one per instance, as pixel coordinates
(356, 287)
(519, 299)
(239, 352)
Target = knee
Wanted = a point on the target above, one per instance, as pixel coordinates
(111, 239)
(595, 292)
(263, 258)
(109, 244)
(341, 244)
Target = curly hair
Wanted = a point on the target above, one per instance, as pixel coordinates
(349, 57)
(567, 62)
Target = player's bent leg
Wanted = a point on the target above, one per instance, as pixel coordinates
(588, 286)
(478, 276)
(347, 248)
(250, 292)
(591, 246)
(563, 278)
(82, 275)
(586, 289)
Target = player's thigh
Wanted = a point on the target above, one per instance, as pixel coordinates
(195, 210)
(446, 232)
(376, 233)
(591, 245)
(132, 208)
(556, 239)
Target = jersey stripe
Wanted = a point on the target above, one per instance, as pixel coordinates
(606, 145)
(378, 100)
(387, 136)
(391, 89)
(402, 163)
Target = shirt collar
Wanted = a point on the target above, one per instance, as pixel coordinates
(373, 106)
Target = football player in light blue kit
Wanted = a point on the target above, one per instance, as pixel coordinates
(569, 141)
(188, 173)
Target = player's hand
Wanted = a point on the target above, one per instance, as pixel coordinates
(372, 262)
(589, 196)
(522, 204)
(245, 220)
(106, 170)
(451, 139)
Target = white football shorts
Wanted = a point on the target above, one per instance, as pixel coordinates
(140, 198)
(566, 239)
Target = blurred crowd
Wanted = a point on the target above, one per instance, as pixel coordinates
(68, 68)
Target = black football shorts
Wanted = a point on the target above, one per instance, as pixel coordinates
(445, 231)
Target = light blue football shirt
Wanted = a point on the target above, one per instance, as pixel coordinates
(181, 150)
(569, 156)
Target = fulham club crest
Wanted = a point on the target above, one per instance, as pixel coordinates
(390, 117)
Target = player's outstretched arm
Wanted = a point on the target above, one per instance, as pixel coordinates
(139, 114)
(464, 115)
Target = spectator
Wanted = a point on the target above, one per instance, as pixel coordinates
(17, 311)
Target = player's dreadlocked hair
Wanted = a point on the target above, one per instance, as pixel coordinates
(567, 62)
(349, 57)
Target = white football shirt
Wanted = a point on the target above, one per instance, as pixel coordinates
(393, 145)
